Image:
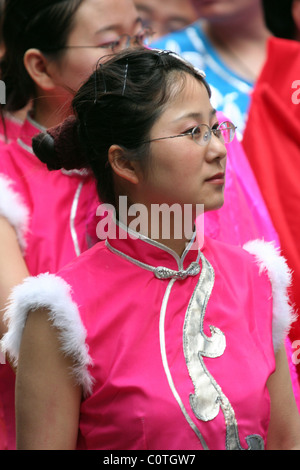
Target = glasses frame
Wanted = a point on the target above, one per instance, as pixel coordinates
(193, 132)
(147, 32)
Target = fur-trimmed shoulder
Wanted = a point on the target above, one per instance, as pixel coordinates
(269, 259)
(13, 209)
(51, 292)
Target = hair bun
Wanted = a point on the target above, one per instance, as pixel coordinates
(59, 146)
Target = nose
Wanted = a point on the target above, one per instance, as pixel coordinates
(216, 149)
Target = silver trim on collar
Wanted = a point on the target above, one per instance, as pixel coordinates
(135, 235)
(73, 214)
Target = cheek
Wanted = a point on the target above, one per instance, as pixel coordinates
(79, 67)
(187, 158)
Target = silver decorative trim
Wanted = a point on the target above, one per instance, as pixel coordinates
(160, 272)
(166, 366)
(205, 401)
(165, 273)
(84, 172)
(136, 235)
(26, 147)
(35, 123)
(128, 258)
(72, 219)
(208, 397)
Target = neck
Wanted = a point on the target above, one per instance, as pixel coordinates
(241, 45)
(249, 24)
(164, 227)
(251, 30)
(48, 112)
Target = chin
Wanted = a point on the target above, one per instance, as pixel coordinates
(213, 206)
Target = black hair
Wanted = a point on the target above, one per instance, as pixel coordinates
(31, 24)
(118, 104)
(279, 19)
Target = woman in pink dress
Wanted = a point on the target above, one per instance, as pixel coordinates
(54, 46)
(172, 343)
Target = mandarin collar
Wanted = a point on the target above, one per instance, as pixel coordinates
(152, 255)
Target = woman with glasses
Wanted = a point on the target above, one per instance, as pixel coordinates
(172, 340)
(51, 47)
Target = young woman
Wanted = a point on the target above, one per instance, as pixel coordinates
(54, 46)
(172, 345)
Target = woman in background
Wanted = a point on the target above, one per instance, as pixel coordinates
(53, 45)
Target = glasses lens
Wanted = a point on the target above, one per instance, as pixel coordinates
(227, 131)
(201, 134)
(144, 38)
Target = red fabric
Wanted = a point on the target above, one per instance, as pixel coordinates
(272, 144)
(3, 435)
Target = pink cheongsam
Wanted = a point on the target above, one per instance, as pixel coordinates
(171, 352)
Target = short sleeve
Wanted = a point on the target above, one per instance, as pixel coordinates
(54, 293)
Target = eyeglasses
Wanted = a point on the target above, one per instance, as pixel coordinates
(143, 38)
(202, 134)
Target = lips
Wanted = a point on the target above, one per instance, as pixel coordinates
(218, 177)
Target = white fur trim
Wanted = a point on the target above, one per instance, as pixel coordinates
(51, 292)
(14, 210)
(269, 259)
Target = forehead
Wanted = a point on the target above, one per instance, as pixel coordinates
(187, 95)
(96, 15)
(175, 7)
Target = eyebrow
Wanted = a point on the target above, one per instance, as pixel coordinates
(144, 8)
(196, 115)
(150, 11)
(116, 26)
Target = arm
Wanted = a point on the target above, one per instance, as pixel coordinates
(47, 399)
(12, 265)
(284, 429)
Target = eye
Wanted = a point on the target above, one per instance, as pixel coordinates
(109, 45)
(215, 129)
(145, 36)
(192, 130)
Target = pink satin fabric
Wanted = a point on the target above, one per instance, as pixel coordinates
(9, 129)
(132, 405)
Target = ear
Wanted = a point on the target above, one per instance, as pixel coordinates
(121, 166)
(37, 66)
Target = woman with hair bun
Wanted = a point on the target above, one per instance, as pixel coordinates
(10, 123)
(51, 47)
(172, 342)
